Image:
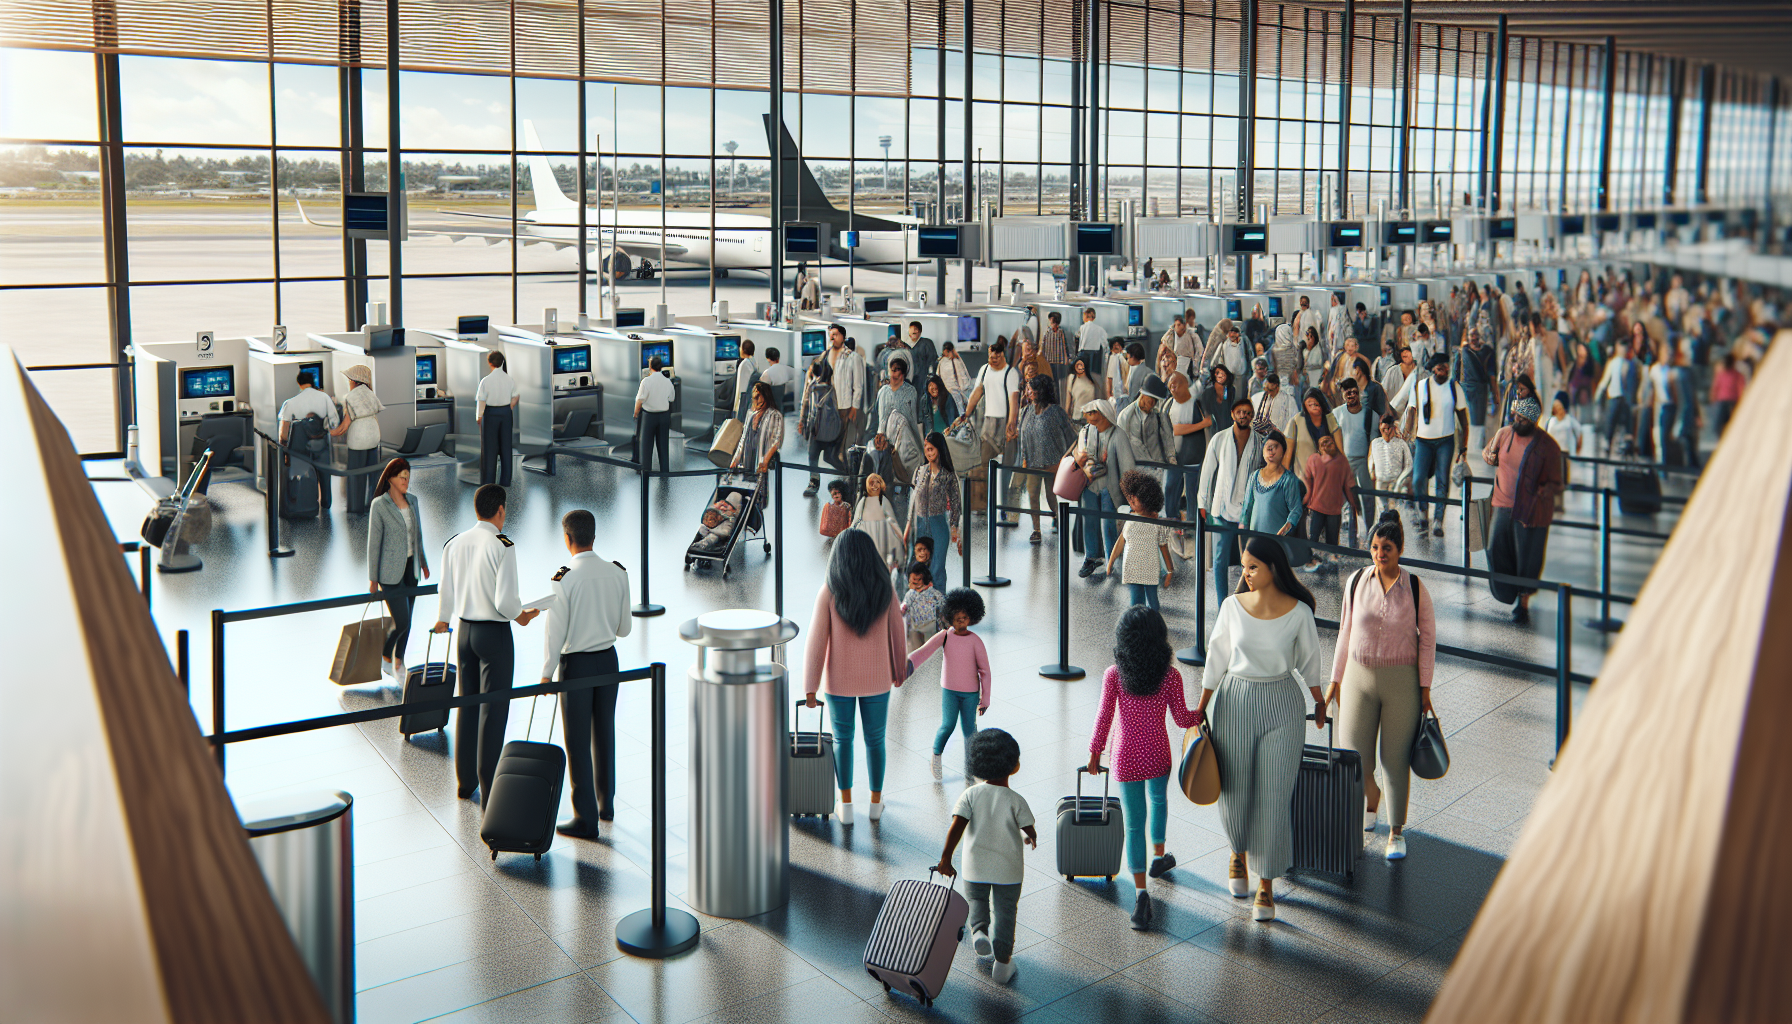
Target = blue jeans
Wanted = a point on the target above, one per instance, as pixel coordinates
(957, 708)
(1145, 594)
(1224, 540)
(1431, 461)
(1180, 488)
(876, 713)
(1133, 797)
(1667, 415)
(1095, 529)
(936, 528)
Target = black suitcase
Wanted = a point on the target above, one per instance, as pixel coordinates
(1328, 809)
(298, 491)
(525, 799)
(1639, 492)
(432, 680)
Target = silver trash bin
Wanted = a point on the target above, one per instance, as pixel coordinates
(739, 764)
(305, 844)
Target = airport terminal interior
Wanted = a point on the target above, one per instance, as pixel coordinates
(1498, 283)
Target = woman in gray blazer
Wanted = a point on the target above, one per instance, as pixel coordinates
(395, 554)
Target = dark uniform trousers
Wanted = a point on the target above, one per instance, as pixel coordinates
(654, 434)
(487, 662)
(589, 720)
(494, 445)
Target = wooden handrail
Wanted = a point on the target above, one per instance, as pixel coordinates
(130, 892)
(1650, 882)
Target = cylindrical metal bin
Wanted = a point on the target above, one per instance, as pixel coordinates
(305, 844)
(739, 764)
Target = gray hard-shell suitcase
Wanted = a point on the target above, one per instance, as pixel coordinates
(811, 770)
(1328, 808)
(1091, 832)
(432, 680)
(525, 799)
(916, 936)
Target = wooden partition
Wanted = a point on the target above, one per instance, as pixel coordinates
(1653, 881)
(127, 888)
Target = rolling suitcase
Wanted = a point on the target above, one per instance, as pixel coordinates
(298, 491)
(1091, 832)
(1639, 492)
(915, 937)
(1328, 808)
(432, 680)
(525, 798)
(811, 771)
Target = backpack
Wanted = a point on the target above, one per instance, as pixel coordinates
(835, 518)
(825, 426)
(311, 435)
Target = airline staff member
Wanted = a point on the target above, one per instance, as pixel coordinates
(653, 416)
(310, 401)
(478, 590)
(744, 369)
(588, 611)
(496, 412)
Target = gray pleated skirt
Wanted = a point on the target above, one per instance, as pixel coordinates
(1259, 726)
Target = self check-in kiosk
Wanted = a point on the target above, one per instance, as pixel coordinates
(621, 361)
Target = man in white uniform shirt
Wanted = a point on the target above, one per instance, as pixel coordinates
(495, 411)
(587, 612)
(776, 375)
(744, 369)
(653, 417)
(1439, 409)
(1232, 456)
(311, 402)
(998, 388)
(1092, 343)
(478, 594)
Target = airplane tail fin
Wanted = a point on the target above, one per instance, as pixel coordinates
(803, 197)
(548, 197)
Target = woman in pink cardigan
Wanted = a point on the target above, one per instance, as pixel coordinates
(1387, 645)
(856, 652)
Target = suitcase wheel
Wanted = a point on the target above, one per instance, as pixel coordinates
(538, 857)
(886, 986)
(768, 547)
(1070, 878)
(1110, 877)
(687, 565)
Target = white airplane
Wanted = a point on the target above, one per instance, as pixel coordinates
(618, 238)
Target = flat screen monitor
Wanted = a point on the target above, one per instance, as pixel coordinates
(572, 359)
(1135, 316)
(1234, 309)
(727, 347)
(1344, 234)
(631, 316)
(1387, 297)
(1714, 216)
(970, 328)
(1573, 224)
(938, 241)
(1097, 240)
(473, 326)
(315, 371)
(208, 382)
(802, 240)
(1275, 306)
(364, 212)
(1502, 228)
(663, 349)
(1434, 231)
(1247, 238)
(815, 342)
(1400, 232)
(379, 338)
(1646, 221)
(877, 305)
(1679, 218)
(1609, 223)
(426, 369)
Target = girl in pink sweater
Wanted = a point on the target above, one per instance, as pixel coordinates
(964, 672)
(854, 654)
(1142, 685)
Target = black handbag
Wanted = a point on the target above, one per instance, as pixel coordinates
(1430, 757)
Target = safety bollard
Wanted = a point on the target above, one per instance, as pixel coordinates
(659, 931)
(646, 608)
(990, 579)
(1063, 669)
(1605, 623)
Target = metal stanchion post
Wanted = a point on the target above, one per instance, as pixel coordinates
(646, 607)
(990, 580)
(1564, 666)
(218, 684)
(1063, 669)
(1197, 655)
(777, 475)
(1468, 491)
(659, 931)
(144, 571)
(182, 666)
(1605, 623)
(276, 482)
(964, 528)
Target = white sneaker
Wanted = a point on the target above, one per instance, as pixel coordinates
(845, 812)
(1002, 973)
(1263, 908)
(398, 671)
(938, 774)
(1238, 881)
(981, 945)
(1396, 847)
(1369, 819)
(877, 810)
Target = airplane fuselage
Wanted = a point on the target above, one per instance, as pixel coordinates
(741, 241)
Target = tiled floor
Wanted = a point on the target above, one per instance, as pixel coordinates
(444, 932)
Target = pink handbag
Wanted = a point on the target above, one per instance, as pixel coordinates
(1071, 480)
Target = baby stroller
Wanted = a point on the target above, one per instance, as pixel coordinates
(733, 512)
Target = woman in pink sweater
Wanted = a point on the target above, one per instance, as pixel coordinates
(1142, 685)
(1381, 676)
(855, 654)
(964, 672)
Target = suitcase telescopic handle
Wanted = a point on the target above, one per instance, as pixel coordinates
(953, 885)
(1331, 727)
(820, 720)
(1104, 773)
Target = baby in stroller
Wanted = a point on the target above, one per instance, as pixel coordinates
(719, 520)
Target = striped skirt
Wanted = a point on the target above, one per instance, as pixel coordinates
(1259, 726)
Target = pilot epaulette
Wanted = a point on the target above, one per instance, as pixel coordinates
(507, 542)
(562, 573)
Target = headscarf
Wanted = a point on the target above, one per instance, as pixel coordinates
(1529, 408)
(1285, 353)
(1103, 406)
